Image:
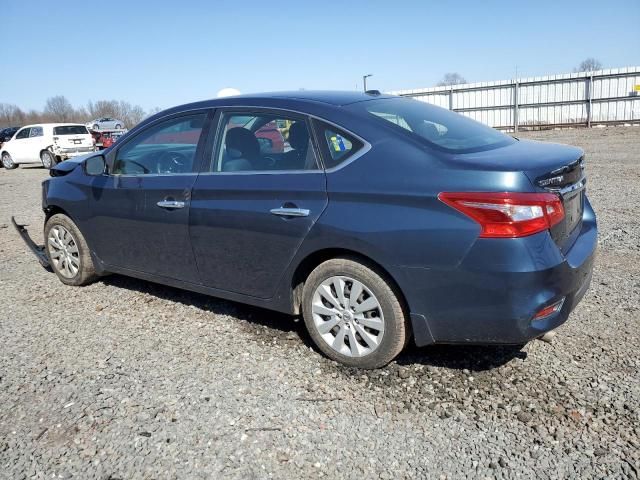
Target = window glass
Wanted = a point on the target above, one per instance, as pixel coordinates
(70, 130)
(444, 129)
(36, 132)
(340, 145)
(261, 142)
(24, 133)
(165, 148)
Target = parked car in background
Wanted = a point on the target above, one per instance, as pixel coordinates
(7, 133)
(385, 219)
(46, 143)
(105, 123)
(105, 139)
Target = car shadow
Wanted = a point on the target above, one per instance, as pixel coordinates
(459, 357)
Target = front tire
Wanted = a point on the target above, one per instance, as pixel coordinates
(353, 314)
(48, 159)
(118, 126)
(95, 126)
(7, 162)
(68, 252)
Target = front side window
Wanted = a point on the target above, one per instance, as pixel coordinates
(260, 142)
(24, 133)
(168, 147)
(36, 132)
(441, 128)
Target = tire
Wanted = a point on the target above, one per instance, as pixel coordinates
(118, 126)
(95, 126)
(378, 334)
(7, 162)
(70, 258)
(48, 159)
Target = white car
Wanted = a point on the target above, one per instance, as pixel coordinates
(46, 143)
(105, 123)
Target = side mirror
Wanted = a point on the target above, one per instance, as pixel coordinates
(95, 166)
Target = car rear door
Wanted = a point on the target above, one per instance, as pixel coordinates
(248, 216)
(140, 211)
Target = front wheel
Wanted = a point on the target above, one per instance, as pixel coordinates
(68, 251)
(118, 126)
(48, 159)
(353, 314)
(7, 162)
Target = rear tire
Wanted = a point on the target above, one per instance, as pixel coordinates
(96, 126)
(48, 159)
(366, 330)
(118, 126)
(68, 252)
(7, 162)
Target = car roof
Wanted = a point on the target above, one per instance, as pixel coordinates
(53, 125)
(332, 97)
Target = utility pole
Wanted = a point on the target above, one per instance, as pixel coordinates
(364, 80)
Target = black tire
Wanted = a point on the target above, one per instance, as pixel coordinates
(7, 162)
(86, 272)
(48, 159)
(95, 127)
(397, 330)
(118, 126)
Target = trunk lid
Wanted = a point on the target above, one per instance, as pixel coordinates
(72, 136)
(551, 168)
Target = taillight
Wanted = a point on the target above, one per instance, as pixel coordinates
(508, 214)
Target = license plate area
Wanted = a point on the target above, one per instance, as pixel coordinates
(77, 142)
(573, 207)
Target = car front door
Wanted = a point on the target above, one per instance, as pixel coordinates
(140, 210)
(252, 210)
(18, 148)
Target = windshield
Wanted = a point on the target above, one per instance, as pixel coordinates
(70, 130)
(443, 129)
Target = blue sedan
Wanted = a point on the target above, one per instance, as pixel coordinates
(379, 219)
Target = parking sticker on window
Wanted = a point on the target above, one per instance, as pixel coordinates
(338, 143)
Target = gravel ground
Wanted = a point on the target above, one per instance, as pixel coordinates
(125, 379)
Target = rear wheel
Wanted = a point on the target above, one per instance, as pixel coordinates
(353, 314)
(118, 126)
(96, 126)
(7, 162)
(68, 251)
(48, 159)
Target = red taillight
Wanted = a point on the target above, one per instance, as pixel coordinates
(508, 214)
(548, 311)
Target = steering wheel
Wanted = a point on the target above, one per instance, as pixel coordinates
(172, 162)
(270, 161)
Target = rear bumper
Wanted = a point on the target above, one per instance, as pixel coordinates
(73, 152)
(38, 250)
(495, 292)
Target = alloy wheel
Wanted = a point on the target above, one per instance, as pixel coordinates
(63, 251)
(7, 161)
(47, 160)
(348, 316)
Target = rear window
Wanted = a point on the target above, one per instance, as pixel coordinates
(442, 129)
(70, 130)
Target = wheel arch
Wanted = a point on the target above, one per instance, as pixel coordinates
(313, 259)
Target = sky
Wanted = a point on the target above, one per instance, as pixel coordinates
(164, 53)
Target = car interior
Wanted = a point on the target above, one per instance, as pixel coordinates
(241, 149)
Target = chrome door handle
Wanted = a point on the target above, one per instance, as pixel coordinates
(170, 204)
(290, 212)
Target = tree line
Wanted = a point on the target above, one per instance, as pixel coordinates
(59, 110)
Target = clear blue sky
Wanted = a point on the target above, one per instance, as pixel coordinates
(158, 53)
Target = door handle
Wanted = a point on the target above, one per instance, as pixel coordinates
(171, 204)
(290, 212)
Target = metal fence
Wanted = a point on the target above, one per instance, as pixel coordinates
(572, 99)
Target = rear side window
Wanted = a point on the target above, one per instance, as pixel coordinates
(338, 145)
(36, 132)
(24, 133)
(70, 130)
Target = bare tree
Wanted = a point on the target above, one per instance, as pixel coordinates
(59, 109)
(452, 78)
(589, 65)
(11, 115)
